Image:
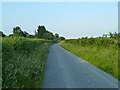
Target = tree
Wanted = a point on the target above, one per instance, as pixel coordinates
(11, 35)
(30, 36)
(56, 35)
(86, 37)
(35, 32)
(1, 34)
(115, 35)
(17, 31)
(104, 35)
(51, 36)
(40, 31)
(111, 35)
(25, 34)
(45, 36)
(62, 38)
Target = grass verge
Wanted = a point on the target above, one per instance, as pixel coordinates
(105, 58)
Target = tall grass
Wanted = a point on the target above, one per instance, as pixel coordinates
(24, 62)
(104, 55)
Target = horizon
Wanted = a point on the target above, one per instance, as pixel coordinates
(71, 20)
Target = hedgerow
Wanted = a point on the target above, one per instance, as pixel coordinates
(24, 62)
(101, 52)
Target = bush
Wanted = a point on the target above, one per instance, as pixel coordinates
(24, 62)
(101, 52)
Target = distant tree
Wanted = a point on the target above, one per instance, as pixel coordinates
(40, 31)
(30, 36)
(46, 36)
(105, 35)
(17, 31)
(25, 34)
(35, 32)
(51, 36)
(86, 37)
(36, 35)
(82, 37)
(56, 35)
(11, 35)
(62, 38)
(1, 34)
(111, 35)
(115, 35)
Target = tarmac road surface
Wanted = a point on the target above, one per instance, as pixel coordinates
(66, 70)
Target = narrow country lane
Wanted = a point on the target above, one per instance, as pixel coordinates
(66, 70)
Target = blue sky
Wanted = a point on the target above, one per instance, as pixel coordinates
(68, 19)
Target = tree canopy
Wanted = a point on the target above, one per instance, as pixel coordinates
(18, 32)
(40, 32)
(2, 34)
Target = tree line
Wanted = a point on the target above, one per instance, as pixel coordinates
(41, 33)
(113, 35)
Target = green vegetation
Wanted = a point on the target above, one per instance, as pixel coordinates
(24, 62)
(1, 34)
(24, 57)
(40, 33)
(101, 52)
